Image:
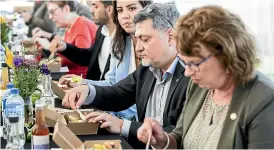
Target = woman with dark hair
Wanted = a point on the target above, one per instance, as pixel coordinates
(124, 27)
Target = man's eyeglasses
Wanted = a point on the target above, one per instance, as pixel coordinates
(52, 11)
(195, 66)
(152, 7)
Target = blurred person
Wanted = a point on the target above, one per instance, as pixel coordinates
(229, 104)
(80, 31)
(81, 10)
(99, 57)
(59, 32)
(157, 87)
(39, 18)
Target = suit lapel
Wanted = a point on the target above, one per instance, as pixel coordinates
(177, 77)
(145, 93)
(99, 46)
(232, 118)
(192, 107)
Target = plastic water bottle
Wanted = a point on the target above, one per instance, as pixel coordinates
(14, 139)
(15, 107)
(2, 56)
(4, 118)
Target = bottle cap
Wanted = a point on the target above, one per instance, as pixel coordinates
(4, 65)
(14, 91)
(13, 119)
(10, 85)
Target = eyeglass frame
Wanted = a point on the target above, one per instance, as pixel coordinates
(54, 10)
(150, 10)
(184, 64)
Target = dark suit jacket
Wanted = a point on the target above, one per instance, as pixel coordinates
(253, 104)
(136, 89)
(88, 57)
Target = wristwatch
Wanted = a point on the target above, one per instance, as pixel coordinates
(52, 36)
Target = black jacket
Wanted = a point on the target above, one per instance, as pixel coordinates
(89, 56)
(136, 89)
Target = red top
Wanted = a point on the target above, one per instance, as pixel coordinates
(81, 34)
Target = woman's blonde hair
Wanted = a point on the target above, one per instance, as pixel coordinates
(219, 30)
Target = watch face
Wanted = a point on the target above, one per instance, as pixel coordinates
(48, 102)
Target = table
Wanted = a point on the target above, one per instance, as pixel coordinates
(124, 144)
(102, 135)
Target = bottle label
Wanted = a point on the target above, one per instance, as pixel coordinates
(15, 108)
(48, 101)
(40, 142)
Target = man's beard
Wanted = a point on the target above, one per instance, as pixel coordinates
(145, 63)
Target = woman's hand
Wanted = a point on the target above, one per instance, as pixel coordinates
(57, 45)
(158, 138)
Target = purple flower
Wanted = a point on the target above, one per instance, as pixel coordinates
(44, 69)
(18, 61)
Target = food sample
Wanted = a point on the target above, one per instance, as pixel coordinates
(28, 43)
(104, 146)
(72, 119)
(30, 47)
(76, 79)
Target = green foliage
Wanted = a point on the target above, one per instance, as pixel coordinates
(4, 31)
(26, 80)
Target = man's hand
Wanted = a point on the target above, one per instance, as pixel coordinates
(158, 137)
(43, 42)
(75, 97)
(110, 122)
(66, 80)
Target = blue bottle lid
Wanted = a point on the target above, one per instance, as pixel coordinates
(10, 85)
(14, 91)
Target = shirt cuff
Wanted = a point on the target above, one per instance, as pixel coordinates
(91, 96)
(125, 128)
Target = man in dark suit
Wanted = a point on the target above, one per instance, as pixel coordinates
(157, 87)
(97, 57)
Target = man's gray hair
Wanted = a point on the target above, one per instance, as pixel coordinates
(164, 16)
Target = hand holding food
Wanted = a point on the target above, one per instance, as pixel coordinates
(70, 80)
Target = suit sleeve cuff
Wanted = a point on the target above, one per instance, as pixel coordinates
(91, 96)
(125, 128)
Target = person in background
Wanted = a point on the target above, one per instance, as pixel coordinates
(229, 103)
(120, 67)
(59, 32)
(157, 87)
(81, 10)
(39, 18)
(80, 31)
(98, 56)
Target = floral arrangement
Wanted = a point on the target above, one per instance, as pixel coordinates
(4, 30)
(26, 75)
